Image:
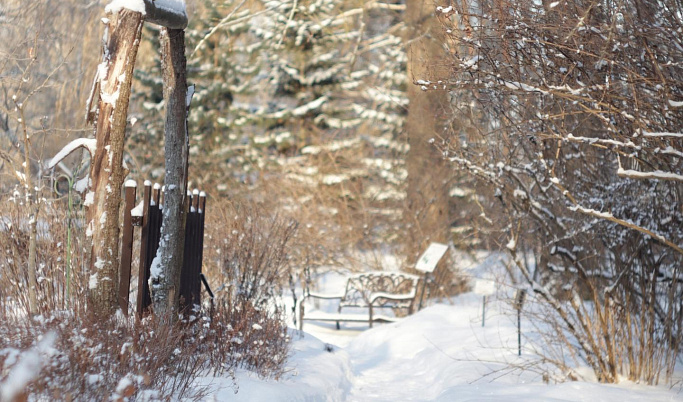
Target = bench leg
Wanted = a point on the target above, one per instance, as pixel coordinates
(301, 316)
(338, 312)
(370, 321)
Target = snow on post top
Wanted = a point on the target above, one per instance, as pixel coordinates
(167, 13)
(134, 5)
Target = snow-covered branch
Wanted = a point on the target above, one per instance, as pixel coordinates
(654, 175)
(88, 143)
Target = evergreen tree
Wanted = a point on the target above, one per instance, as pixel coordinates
(301, 101)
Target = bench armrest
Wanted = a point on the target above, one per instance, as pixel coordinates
(391, 296)
(324, 296)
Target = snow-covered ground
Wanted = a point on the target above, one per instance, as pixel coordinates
(441, 353)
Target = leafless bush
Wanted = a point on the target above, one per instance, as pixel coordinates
(248, 260)
(251, 248)
(61, 279)
(98, 361)
(568, 115)
(123, 358)
(249, 338)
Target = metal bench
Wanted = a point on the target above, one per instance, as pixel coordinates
(371, 290)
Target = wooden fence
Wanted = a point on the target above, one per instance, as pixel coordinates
(148, 216)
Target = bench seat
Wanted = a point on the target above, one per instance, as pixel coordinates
(370, 291)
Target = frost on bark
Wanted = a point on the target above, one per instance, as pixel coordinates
(427, 184)
(169, 259)
(121, 41)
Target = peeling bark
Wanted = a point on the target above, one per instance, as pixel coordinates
(121, 42)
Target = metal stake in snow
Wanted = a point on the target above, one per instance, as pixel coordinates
(484, 287)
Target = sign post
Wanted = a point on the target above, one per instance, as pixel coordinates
(427, 264)
(484, 287)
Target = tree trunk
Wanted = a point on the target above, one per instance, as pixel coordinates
(427, 208)
(115, 76)
(169, 259)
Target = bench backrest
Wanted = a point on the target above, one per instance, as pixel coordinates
(360, 288)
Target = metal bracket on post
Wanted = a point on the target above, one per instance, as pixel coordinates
(160, 13)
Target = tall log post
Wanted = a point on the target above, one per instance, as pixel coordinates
(169, 259)
(115, 75)
(427, 206)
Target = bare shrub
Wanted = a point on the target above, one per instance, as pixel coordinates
(97, 361)
(61, 279)
(120, 357)
(248, 338)
(567, 115)
(250, 248)
(247, 259)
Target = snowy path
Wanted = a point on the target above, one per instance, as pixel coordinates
(440, 354)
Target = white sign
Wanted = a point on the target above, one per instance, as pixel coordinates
(431, 257)
(484, 287)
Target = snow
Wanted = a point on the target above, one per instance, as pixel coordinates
(155, 269)
(88, 143)
(138, 210)
(511, 245)
(655, 175)
(110, 98)
(442, 353)
(188, 97)
(27, 368)
(134, 5)
(649, 134)
(89, 199)
(81, 185)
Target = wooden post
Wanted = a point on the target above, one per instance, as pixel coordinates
(126, 247)
(202, 220)
(171, 249)
(185, 286)
(121, 42)
(111, 93)
(143, 299)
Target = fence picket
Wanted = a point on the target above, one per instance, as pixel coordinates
(126, 247)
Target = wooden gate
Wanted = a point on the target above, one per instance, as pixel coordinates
(148, 216)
